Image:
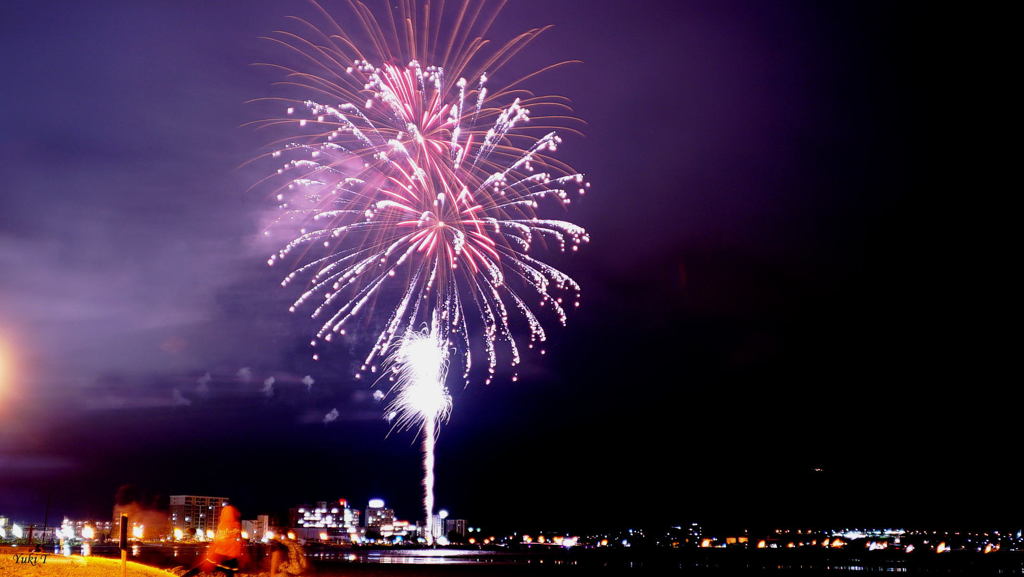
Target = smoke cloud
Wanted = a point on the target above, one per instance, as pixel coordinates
(143, 508)
(179, 399)
(203, 384)
(331, 417)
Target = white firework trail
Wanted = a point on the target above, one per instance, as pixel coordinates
(419, 398)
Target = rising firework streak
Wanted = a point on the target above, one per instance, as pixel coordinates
(419, 398)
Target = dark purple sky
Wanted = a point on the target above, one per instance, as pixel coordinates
(750, 308)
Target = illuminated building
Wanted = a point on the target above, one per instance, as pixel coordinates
(191, 512)
(100, 530)
(377, 515)
(32, 532)
(399, 529)
(457, 526)
(436, 526)
(256, 528)
(326, 521)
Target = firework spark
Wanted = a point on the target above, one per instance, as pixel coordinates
(416, 190)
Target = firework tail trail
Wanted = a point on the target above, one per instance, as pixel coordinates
(429, 432)
(420, 399)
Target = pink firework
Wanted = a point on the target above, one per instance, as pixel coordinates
(416, 189)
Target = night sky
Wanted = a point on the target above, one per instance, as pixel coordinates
(752, 307)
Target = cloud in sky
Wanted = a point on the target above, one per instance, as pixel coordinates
(203, 384)
(331, 416)
(178, 399)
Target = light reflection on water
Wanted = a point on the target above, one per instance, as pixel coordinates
(633, 565)
(430, 557)
(336, 562)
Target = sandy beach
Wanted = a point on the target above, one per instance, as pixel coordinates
(18, 564)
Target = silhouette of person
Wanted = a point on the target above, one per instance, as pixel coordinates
(222, 556)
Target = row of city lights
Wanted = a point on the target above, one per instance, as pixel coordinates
(869, 539)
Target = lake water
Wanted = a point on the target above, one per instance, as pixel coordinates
(332, 562)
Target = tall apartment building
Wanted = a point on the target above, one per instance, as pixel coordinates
(377, 515)
(191, 512)
(458, 526)
(337, 521)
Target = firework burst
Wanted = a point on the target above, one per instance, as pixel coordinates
(416, 190)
